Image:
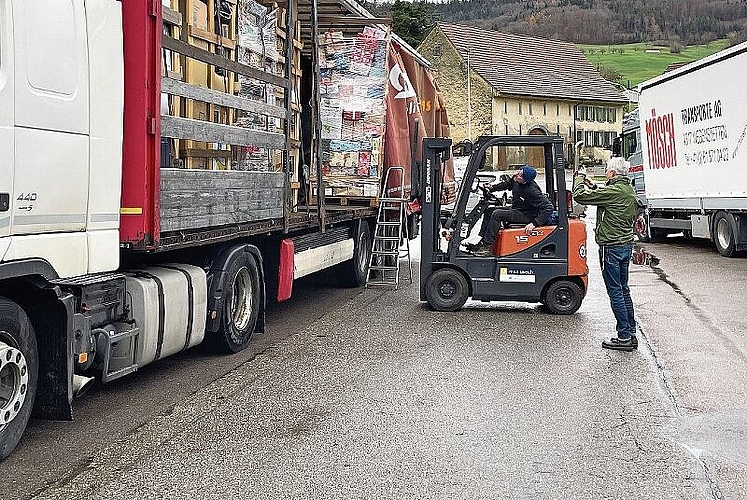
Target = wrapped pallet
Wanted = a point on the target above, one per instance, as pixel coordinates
(352, 84)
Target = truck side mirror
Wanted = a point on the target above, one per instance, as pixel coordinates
(463, 148)
(617, 146)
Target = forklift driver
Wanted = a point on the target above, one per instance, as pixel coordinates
(530, 206)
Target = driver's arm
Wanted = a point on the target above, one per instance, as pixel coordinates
(501, 186)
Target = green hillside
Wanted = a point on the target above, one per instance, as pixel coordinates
(635, 65)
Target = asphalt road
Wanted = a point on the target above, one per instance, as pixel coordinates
(369, 394)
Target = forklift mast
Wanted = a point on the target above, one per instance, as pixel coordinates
(435, 152)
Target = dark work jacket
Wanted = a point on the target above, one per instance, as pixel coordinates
(528, 199)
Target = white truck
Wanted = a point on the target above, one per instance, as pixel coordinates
(688, 152)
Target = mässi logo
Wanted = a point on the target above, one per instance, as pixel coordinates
(662, 152)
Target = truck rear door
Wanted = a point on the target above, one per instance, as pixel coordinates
(6, 120)
(50, 192)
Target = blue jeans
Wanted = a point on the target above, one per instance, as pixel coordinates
(615, 262)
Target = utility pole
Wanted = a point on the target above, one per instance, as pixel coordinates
(469, 98)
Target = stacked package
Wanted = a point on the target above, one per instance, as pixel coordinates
(257, 47)
(352, 84)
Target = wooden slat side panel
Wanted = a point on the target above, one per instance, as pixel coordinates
(221, 62)
(198, 130)
(175, 87)
(194, 199)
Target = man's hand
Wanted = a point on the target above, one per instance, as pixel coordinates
(581, 170)
(529, 228)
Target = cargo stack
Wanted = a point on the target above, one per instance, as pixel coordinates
(352, 83)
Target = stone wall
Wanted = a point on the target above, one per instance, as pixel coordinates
(450, 71)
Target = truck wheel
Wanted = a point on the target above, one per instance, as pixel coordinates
(723, 234)
(643, 230)
(447, 290)
(563, 297)
(19, 362)
(352, 273)
(640, 226)
(241, 303)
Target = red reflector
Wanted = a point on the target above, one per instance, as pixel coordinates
(285, 272)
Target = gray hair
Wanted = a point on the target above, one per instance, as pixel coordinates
(618, 165)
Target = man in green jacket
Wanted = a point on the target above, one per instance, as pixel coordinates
(616, 212)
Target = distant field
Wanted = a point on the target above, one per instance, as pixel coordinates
(636, 65)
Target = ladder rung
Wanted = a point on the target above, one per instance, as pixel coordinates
(383, 268)
(387, 238)
(379, 252)
(398, 200)
(382, 223)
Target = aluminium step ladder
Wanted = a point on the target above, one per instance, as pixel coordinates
(391, 228)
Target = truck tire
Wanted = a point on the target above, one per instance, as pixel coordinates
(724, 234)
(241, 303)
(352, 273)
(644, 231)
(446, 290)
(19, 367)
(563, 297)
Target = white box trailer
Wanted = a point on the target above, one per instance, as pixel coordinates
(693, 123)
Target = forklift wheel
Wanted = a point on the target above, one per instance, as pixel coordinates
(447, 290)
(563, 297)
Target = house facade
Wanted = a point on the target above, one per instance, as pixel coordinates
(521, 85)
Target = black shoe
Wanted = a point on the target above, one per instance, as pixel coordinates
(618, 344)
(633, 341)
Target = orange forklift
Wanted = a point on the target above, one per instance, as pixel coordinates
(548, 265)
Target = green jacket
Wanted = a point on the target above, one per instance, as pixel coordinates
(617, 209)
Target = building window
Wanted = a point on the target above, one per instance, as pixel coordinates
(530, 108)
(570, 110)
(519, 129)
(611, 115)
(579, 136)
(437, 50)
(520, 108)
(505, 106)
(601, 114)
(557, 110)
(506, 129)
(570, 132)
(557, 129)
(544, 109)
(589, 139)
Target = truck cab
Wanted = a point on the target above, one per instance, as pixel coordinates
(61, 100)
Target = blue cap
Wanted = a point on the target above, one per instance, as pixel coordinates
(528, 173)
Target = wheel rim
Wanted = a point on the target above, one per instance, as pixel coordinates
(723, 233)
(641, 226)
(241, 299)
(364, 248)
(447, 289)
(14, 379)
(563, 298)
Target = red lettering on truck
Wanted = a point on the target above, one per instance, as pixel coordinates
(660, 133)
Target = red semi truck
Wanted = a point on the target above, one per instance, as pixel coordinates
(108, 260)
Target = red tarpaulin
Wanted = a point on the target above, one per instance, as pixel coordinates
(413, 97)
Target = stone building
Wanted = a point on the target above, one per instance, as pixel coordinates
(521, 85)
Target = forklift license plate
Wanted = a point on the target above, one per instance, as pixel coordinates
(465, 231)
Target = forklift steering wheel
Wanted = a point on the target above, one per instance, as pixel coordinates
(490, 196)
